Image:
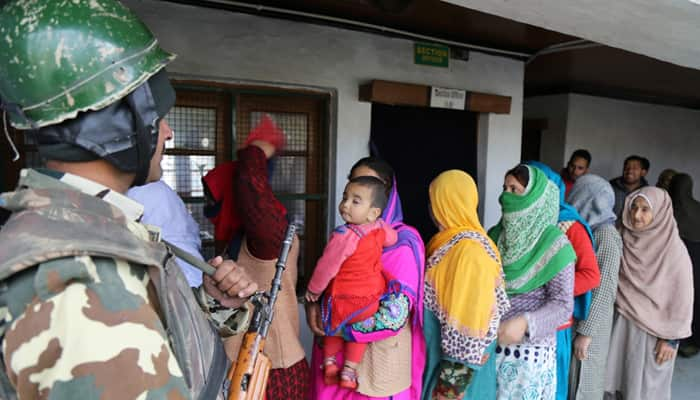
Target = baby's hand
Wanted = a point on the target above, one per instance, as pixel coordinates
(311, 297)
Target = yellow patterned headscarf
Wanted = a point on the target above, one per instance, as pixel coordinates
(464, 264)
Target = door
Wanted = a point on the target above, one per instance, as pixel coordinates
(420, 143)
(201, 121)
(213, 122)
(299, 172)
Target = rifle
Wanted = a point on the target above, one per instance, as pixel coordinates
(247, 378)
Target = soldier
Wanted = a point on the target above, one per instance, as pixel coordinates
(93, 304)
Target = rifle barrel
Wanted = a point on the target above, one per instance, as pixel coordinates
(190, 259)
(277, 280)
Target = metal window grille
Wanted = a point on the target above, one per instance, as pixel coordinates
(206, 229)
(298, 172)
(199, 122)
(195, 128)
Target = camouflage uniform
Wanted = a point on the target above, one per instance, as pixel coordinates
(85, 295)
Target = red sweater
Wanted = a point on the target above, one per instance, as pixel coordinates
(264, 217)
(587, 275)
(568, 183)
(586, 271)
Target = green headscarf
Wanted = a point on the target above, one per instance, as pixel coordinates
(532, 247)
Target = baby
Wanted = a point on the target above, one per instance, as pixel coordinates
(350, 274)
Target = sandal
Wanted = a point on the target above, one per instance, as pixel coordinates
(330, 371)
(348, 378)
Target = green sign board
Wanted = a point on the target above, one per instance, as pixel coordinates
(435, 55)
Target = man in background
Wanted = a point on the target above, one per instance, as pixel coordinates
(164, 209)
(577, 166)
(635, 169)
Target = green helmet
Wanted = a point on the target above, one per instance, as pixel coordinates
(58, 58)
(86, 78)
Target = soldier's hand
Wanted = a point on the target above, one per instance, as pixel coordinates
(230, 284)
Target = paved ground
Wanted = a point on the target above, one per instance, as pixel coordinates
(686, 379)
(686, 376)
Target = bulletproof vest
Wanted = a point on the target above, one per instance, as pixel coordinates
(57, 223)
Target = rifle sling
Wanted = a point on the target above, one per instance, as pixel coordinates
(216, 376)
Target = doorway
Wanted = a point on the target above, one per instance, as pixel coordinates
(532, 139)
(420, 143)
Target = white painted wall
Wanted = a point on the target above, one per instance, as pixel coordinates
(613, 129)
(555, 110)
(229, 46)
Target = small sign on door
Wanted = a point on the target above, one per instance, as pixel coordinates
(447, 98)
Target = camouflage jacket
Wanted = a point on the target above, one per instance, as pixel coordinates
(91, 308)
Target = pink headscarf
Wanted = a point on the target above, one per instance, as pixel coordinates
(656, 276)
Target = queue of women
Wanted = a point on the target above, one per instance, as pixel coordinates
(558, 300)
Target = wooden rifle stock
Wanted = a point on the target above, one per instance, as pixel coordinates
(247, 377)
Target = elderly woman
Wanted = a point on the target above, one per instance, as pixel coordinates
(594, 199)
(654, 303)
(538, 262)
(464, 295)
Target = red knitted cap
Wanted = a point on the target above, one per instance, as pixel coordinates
(267, 131)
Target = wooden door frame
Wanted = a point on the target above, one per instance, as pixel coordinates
(329, 116)
(327, 103)
(247, 103)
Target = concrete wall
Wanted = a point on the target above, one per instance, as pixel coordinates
(228, 46)
(555, 110)
(613, 129)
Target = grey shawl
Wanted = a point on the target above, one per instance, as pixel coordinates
(594, 199)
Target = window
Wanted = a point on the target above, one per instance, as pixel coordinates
(201, 125)
(204, 137)
(299, 176)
